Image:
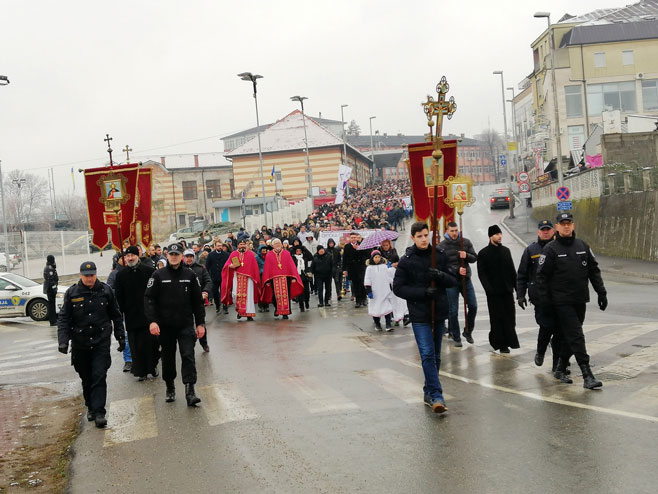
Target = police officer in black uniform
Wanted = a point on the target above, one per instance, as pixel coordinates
(50, 282)
(564, 270)
(89, 312)
(173, 305)
(526, 283)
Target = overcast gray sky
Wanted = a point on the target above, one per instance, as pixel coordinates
(156, 73)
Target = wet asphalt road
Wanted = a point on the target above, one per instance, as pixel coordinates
(323, 403)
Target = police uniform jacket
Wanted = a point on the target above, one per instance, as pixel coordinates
(130, 285)
(173, 298)
(526, 276)
(564, 270)
(412, 278)
(202, 275)
(87, 316)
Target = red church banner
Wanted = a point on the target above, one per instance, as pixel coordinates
(421, 176)
(111, 194)
(143, 209)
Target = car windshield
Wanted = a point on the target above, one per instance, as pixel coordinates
(500, 193)
(20, 280)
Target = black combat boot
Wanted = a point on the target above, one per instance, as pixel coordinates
(589, 381)
(171, 392)
(100, 420)
(561, 372)
(539, 359)
(192, 399)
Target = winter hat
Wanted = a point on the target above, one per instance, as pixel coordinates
(50, 259)
(319, 248)
(493, 229)
(132, 250)
(375, 253)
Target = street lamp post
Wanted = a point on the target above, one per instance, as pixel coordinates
(558, 139)
(248, 76)
(505, 149)
(342, 119)
(308, 156)
(517, 168)
(4, 80)
(372, 154)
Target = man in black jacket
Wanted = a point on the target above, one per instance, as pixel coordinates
(458, 254)
(206, 287)
(419, 284)
(173, 306)
(89, 313)
(322, 269)
(354, 267)
(498, 277)
(526, 282)
(335, 253)
(50, 282)
(214, 265)
(566, 267)
(129, 289)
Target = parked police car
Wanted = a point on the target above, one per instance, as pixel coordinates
(20, 296)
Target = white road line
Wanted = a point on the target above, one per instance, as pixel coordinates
(13, 347)
(130, 420)
(28, 361)
(397, 384)
(634, 364)
(526, 394)
(623, 335)
(316, 396)
(223, 403)
(24, 370)
(26, 355)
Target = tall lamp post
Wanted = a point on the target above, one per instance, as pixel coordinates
(308, 156)
(4, 80)
(517, 168)
(342, 119)
(372, 155)
(248, 76)
(558, 139)
(507, 167)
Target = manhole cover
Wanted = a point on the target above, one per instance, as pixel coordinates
(611, 376)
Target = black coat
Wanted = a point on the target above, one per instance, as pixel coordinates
(129, 287)
(323, 266)
(50, 278)
(496, 270)
(452, 248)
(173, 298)
(215, 263)
(565, 269)
(202, 275)
(354, 261)
(412, 279)
(526, 275)
(88, 315)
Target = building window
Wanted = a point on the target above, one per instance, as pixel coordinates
(574, 101)
(611, 96)
(599, 60)
(576, 136)
(627, 57)
(213, 189)
(650, 94)
(181, 220)
(189, 190)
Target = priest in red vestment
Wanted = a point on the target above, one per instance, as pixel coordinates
(281, 281)
(241, 282)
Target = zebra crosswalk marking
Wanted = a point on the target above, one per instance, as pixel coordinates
(634, 364)
(131, 420)
(611, 340)
(316, 396)
(395, 383)
(22, 346)
(23, 370)
(36, 360)
(26, 355)
(224, 402)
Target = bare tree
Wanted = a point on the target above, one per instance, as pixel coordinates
(493, 141)
(73, 209)
(26, 195)
(353, 129)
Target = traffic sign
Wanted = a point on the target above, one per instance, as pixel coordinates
(523, 177)
(564, 206)
(502, 157)
(524, 187)
(503, 161)
(563, 193)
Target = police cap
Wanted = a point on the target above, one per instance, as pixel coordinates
(544, 224)
(87, 268)
(175, 248)
(564, 217)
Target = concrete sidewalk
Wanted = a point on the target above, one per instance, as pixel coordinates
(524, 229)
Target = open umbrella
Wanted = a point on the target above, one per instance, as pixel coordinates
(375, 239)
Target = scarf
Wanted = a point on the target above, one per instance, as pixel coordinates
(300, 263)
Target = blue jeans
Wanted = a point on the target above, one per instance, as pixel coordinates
(454, 306)
(430, 355)
(127, 357)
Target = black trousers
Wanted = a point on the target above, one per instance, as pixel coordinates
(92, 364)
(216, 288)
(548, 331)
(358, 289)
(145, 351)
(52, 310)
(570, 319)
(306, 296)
(502, 319)
(324, 289)
(338, 280)
(185, 338)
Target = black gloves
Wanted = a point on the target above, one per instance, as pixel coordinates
(603, 302)
(523, 303)
(63, 348)
(122, 345)
(435, 274)
(430, 291)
